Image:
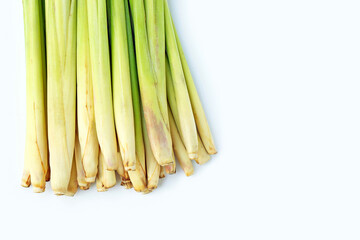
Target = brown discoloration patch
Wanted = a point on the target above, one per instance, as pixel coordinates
(155, 127)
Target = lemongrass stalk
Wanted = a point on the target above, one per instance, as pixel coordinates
(202, 156)
(159, 134)
(36, 148)
(199, 113)
(187, 121)
(179, 149)
(61, 59)
(81, 176)
(152, 166)
(86, 115)
(101, 79)
(124, 175)
(123, 107)
(155, 26)
(138, 177)
(162, 172)
(89, 145)
(73, 183)
(106, 178)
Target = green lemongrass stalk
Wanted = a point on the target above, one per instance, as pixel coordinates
(199, 113)
(138, 177)
(203, 156)
(81, 176)
(179, 149)
(187, 121)
(106, 178)
(155, 26)
(101, 79)
(36, 148)
(124, 175)
(89, 145)
(159, 134)
(123, 107)
(152, 166)
(162, 173)
(61, 59)
(73, 183)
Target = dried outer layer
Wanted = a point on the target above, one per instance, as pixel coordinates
(138, 177)
(73, 184)
(81, 178)
(171, 168)
(106, 178)
(179, 149)
(162, 172)
(101, 79)
(187, 121)
(36, 167)
(153, 168)
(123, 106)
(203, 156)
(199, 113)
(159, 134)
(61, 67)
(89, 145)
(124, 175)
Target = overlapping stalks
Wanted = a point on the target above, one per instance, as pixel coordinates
(112, 94)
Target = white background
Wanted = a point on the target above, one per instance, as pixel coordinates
(280, 81)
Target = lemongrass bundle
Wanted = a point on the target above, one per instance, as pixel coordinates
(118, 100)
(101, 79)
(88, 142)
(159, 134)
(61, 66)
(187, 121)
(36, 166)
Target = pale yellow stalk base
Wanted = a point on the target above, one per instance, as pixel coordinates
(138, 178)
(162, 173)
(73, 184)
(106, 179)
(152, 166)
(171, 168)
(203, 155)
(124, 175)
(79, 165)
(179, 149)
